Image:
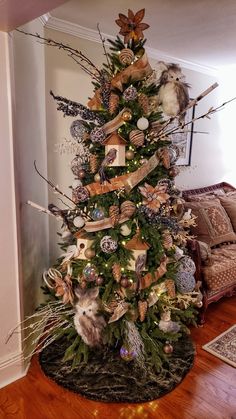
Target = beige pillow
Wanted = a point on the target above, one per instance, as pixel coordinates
(213, 224)
(229, 204)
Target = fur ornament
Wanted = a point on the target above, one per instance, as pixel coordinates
(173, 95)
(88, 324)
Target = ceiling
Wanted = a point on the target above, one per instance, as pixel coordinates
(199, 31)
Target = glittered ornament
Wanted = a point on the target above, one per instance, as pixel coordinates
(78, 130)
(108, 245)
(89, 253)
(97, 177)
(97, 135)
(78, 221)
(80, 194)
(168, 348)
(129, 154)
(127, 116)
(136, 137)
(142, 123)
(76, 166)
(130, 93)
(126, 56)
(185, 282)
(97, 214)
(99, 280)
(127, 353)
(90, 273)
(187, 265)
(125, 230)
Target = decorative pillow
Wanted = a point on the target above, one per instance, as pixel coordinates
(213, 224)
(229, 204)
(206, 195)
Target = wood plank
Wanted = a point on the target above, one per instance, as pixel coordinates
(208, 391)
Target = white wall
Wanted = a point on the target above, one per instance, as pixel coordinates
(24, 232)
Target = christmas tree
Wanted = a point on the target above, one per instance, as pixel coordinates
(125, 282)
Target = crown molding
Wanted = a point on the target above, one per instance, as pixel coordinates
(44, 18)
(92, 35)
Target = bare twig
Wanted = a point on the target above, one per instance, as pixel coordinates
(104, 48)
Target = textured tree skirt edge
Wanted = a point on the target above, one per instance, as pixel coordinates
(108, 378)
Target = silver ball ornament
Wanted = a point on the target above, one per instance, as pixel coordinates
(78, 221)
(97, 214)
(89, 253)
(142, 123)
(90, 273)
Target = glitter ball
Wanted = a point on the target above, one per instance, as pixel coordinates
(97, 135)
(108, 245)
(90, 273)
(97, 214)
(127, 354)
(130, 93)
(78, 129)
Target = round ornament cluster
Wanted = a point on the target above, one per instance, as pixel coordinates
(108, 245)
(185, 282)
(130, 93)
(80, 194)
(187, 265)
(97, 135)
(90, 273)
(126, 56)
(78, 130)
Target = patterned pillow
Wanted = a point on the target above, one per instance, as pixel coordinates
(213, 224)
(229, 204)
(206, 195)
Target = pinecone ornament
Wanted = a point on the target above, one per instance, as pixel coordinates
(167, 240)
(170, 287)
(143, 102)
(116, 271)
(142, 309)
(114, 214)
(113, 102)
(136, 137)
(93, 163)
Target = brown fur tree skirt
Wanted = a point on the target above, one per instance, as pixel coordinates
(107, 378)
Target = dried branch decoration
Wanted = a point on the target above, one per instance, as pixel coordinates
(84, 62)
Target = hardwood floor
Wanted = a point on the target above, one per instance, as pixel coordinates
(207, 392)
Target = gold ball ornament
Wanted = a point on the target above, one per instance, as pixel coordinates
(168, 348)
(127, 116)
(89, 253)
(97, 177)
(129, 154)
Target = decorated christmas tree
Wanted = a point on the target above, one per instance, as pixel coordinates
(123, 292)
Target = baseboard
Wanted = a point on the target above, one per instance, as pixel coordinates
(12, 368)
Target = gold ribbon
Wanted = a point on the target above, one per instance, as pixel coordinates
(137, 71)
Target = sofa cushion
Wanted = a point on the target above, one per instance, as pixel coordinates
(211, 194)
(222, 272)
(229, 204)
(213, 224)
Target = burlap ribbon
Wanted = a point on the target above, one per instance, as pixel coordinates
(127, 181)
(137, 71)
(115, 123)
